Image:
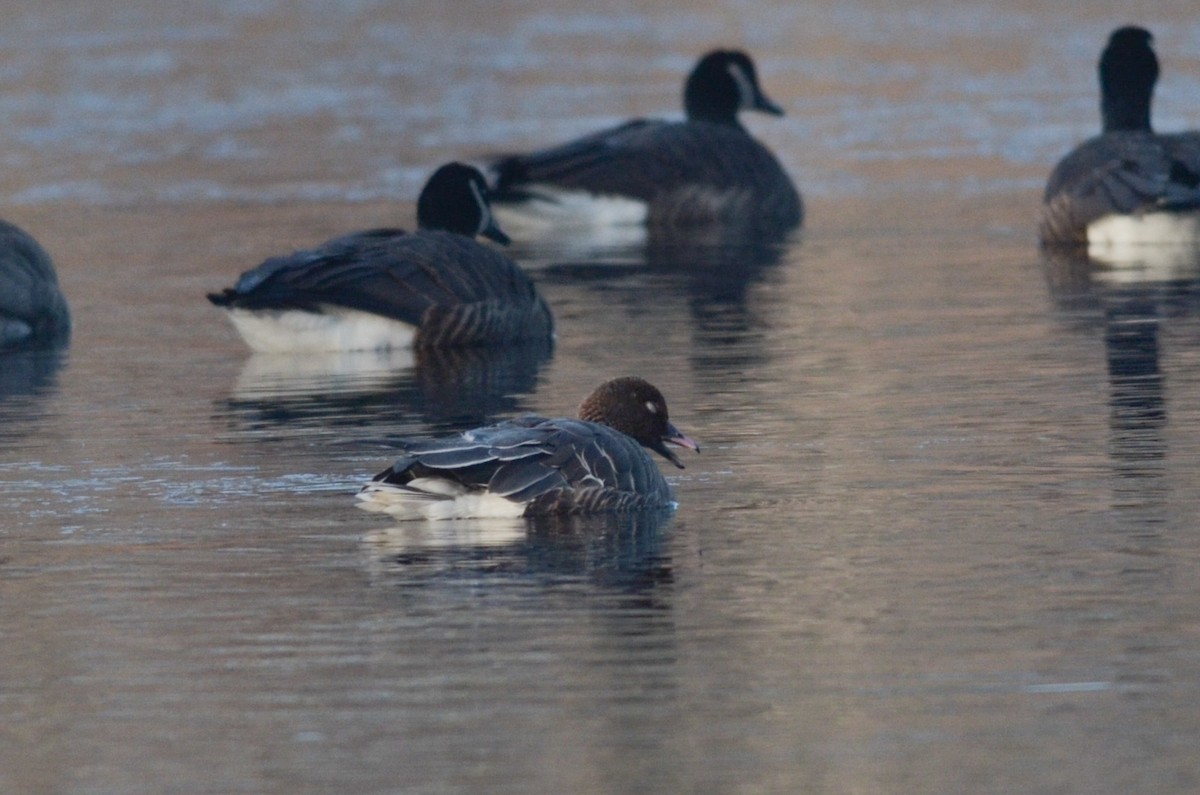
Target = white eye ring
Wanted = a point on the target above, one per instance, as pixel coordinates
(651, 407)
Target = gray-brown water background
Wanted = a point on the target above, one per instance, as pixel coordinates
(943, 536)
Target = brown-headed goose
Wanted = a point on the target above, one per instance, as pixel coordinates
(534, 466)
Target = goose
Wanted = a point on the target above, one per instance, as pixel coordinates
(33, 310)
(386, 288)
(706, 169)
(1128, 185)
(533, 466)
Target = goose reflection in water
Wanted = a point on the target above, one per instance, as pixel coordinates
(618, 552)
(384, 391)
(709, 276)
(1132, 300)
(720, 273)
(29, 373)
(27, 379)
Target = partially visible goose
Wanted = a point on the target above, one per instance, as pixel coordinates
(535, 466)
(664, 174)
(33, 311)
(1128, 185)
(386, 288)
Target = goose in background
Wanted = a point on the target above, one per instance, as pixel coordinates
(386, 288)
(33, 310)
(665, 175)
(1128, 186)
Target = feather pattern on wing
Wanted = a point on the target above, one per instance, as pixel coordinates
(553, 466)
(1125, 172)
(454, 290)
(687, 172)
(1128, 170)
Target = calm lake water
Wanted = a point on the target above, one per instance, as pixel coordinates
(943, 535)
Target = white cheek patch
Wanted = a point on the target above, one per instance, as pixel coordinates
(745, 86)
(485, 213)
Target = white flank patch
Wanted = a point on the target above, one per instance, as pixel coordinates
(1144, 248)
(1114, 235)
(432, 498)
(335, 329)
(610, 220)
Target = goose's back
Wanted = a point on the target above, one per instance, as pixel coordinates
(454, 290)
(687, 172)
(33, 309)
(551, 466)
(1120, 173)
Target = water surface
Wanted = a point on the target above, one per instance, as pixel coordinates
(941, 538)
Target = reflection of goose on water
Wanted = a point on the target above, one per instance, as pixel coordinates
(442, 388)
(623, 551)
(716, 269)
(27, 378)
(1129, 307)
(1140, 264)
(1168, 273)
(332, 372)
(710, 284)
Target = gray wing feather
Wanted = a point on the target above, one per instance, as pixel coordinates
(1120, 173)
(524, 481)
(555, 466)
(455, 290)
(456, 459)
(687, 172)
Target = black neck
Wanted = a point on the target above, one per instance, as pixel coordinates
(1126, 112)
(1128, 72)
(712, 106)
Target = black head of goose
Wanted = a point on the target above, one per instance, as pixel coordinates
(1128, 185)
(33, 310)
(723, 83)
(536, 466)
(704, 170)
(455, 199)
(386, 288)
